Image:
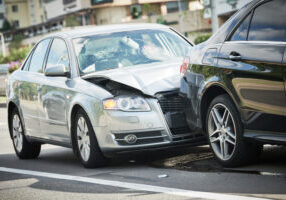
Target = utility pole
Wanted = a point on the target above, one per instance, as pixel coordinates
(3, 44)
(181, 19)
(214, 15)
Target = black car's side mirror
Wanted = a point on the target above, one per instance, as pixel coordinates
(59, 70)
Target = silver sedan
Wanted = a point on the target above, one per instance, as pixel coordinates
(101, 91)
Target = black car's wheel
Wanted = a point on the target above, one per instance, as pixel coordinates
(23, 148)
(225, 134)
(84, 142)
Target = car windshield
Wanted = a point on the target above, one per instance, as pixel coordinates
(129, 48)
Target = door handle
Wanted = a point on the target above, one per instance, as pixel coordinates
(234, 56)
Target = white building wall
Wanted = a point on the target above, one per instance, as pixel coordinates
(2, 12)
(223, 7)
(56, 8)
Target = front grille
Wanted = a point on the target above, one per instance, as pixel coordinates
(180, 130)
(147, 137)
(171, 103)
(173, 107)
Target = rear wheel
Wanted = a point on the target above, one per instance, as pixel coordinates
(84, 142)
(225, 134)
(23, 148)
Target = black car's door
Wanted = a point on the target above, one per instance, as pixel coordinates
(253, 58)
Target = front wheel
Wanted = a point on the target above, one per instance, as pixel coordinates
(84, 142)
(225, 134)
(23, 148)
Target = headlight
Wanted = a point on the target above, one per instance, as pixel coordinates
(126, 103)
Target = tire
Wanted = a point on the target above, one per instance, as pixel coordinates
(224, 130)
(83, 136)
(23, 148)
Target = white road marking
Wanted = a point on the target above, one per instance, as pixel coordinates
(134, 186)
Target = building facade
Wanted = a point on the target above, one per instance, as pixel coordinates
(24, 13)
(185, 16)
(2, 13)
(226, 8)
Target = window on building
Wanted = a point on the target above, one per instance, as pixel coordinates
(2, 16)
(241, 32)
(16, 24)
(94, 2)
(37, 61)
(0, 1)
(174, 6)
(14, 8)
(68, 1)
(58, 54)
(268, 22)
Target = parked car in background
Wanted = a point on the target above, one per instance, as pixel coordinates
(101, 91)
(3, 77)
(235, 83)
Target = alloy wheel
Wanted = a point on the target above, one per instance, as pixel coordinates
(222, 131)
(17, 133)
(83, 139)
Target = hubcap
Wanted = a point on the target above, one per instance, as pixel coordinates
(17, 133)
(83, 139)
(222, 131)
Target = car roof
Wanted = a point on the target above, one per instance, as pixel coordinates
(92, 30)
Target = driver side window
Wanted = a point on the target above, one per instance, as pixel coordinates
(58, 54)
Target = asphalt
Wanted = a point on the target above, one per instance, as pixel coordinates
(188, 169)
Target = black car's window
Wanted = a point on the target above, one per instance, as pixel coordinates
(241, 32)
(37, 60)
(268, 22)
(58, 54)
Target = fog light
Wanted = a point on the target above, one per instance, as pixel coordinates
(130, 139)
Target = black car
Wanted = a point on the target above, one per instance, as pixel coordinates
(235, 83)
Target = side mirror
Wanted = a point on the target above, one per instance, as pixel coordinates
(57, 71)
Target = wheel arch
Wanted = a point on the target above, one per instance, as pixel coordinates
(211, 92)
(10, 107)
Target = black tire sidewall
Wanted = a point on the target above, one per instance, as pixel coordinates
(239, 156)
(96, 158)
(29, 150)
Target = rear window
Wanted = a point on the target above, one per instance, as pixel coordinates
(268, 22)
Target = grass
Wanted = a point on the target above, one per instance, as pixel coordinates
(2, 99)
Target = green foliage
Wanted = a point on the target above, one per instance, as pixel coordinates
(15, 55)
(147, 9)
(202, 38)
(135, 14)
(160, 20)
(6, 25)
(72, 21)
(16, 42)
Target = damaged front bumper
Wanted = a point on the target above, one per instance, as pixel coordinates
(163, 126)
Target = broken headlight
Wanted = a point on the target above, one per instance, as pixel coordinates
(126, 103)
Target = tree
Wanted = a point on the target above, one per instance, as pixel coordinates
(6, 25)
(72, 21)
(16, 42)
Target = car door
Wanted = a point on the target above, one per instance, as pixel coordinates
(252, 58)
(284, 69)
(29, 88)
(54, 95)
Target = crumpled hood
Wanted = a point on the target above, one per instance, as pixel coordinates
(149, 78)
